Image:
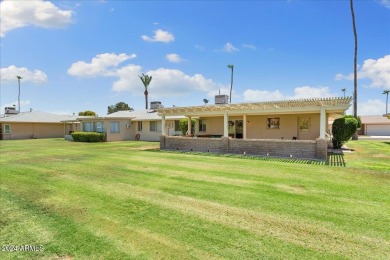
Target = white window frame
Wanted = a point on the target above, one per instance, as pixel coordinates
(273, 123)
(202, 126)
(114, 127)
(153, 126)
(9, 129)
(90, 124)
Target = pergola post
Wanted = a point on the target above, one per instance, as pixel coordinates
(225, 125)
(244, 127)
(163, 131)
(189, 125)
(322, 123)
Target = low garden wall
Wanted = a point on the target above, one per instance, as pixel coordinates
(308, 149)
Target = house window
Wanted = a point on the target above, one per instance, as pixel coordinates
(177, 125)
(273, 123)
(139, 126)
(87, 127)
(114, 127)
(202, 126)
(153, 126)
(99, 127)
(7, 129)
(304, 124)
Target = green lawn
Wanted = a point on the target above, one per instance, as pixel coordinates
(129, 200)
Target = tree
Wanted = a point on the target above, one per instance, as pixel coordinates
(146, 79)
(344, 90)
(205, 101)
(19, 78)
(355, 136)
(386, 92)
(120, 106)
(183, 125)
(231, 66)
(87, 113)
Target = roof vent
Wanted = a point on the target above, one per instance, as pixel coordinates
(221, 99)
(155, 105)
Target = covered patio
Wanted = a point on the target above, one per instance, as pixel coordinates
(289, 128)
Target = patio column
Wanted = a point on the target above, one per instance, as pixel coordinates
(225, 125)
(189, 125)
(244, 127)
(163, 132)
(322, 123)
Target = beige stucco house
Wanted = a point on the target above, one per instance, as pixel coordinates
(375, 126)
(292, 128)
(131, 125)
(34, 124)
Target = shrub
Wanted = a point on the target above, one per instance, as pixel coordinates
(88, 137)
(358, 120)
(183, 125)
(342, 129)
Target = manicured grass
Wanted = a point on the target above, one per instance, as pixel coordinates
(129, 200)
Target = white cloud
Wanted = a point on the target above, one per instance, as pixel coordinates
(101, 65)
(173, 57)
(159, 36)
(378, 71)
(251, 95)
(369, 107)
(249, 46)
(165, 83)
(16, 14)
(200, 47)
(9, 75)
(228, 47)
(385, 3)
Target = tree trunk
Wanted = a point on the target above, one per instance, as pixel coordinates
(355, 114)
(146, 99)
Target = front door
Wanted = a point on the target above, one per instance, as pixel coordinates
(236, 128)
(304, 126)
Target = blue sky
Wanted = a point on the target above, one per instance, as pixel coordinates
(87, 55)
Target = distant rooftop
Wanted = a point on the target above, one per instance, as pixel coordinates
(375, 120)
(36, 117)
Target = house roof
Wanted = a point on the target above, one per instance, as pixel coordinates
(36, 117)
(377, 120)
(135, 115)
(336, 105)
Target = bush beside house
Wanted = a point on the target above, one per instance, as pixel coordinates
(342, 129)
(88, 137)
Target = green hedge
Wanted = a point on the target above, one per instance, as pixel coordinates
(88, 137)
(342, 130)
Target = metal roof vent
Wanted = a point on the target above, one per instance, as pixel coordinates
(221, 99)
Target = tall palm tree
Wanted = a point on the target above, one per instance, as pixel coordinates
(19, 78)
(344, 90)
(231, 66)
(355, 136)
(146, 79)
(386, 92)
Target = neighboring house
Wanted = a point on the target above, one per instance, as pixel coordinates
(34, 124)
(130, 125)
(293, 128)
(375, 126)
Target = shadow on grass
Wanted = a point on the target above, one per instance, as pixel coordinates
(336, 160)
(387, 143)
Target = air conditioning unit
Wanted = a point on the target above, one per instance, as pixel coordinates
(155, 105)
(10, 111)
(221, 99)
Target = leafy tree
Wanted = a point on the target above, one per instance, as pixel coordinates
(120, 106)
(342, 129)
(183, 125)
(87, 113)
(146, 79)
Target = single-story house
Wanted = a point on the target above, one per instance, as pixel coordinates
(387, 115)
(34, 124)
(142, 125)
(375, 126)
(288, 128)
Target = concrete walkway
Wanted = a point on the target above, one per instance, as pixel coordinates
(366, 137)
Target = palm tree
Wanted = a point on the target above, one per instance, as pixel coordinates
(386, 92)
(231, 66)
(344, 90)
(205, 101)
(19, 78)
(355, 136)
(146, 79)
